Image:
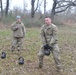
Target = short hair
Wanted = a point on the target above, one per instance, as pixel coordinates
(48, 17)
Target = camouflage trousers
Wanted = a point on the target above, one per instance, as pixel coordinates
(16, 43)
(55, 53)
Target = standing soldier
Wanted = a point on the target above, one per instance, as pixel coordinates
(18, 29)
(49, 34)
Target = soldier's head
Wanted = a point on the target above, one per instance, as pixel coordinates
(18, 18)
(48, 20)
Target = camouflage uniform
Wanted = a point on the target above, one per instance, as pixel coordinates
(18, 29)
(51, 36)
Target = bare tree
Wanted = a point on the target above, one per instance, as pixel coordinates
(33, 9)
(44, 7)
(25, 6)
(1, 8)
(61, 6)
(17, 11)
(7, 7)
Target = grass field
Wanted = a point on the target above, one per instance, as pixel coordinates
(31, 46)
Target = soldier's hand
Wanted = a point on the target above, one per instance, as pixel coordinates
(17, 27)
(48, 47)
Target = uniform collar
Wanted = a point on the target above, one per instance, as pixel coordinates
(46, 26)
(18, 22)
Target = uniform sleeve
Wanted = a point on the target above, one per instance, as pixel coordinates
(42, 35)
(13, 27)
(24, 30)
(54, 35)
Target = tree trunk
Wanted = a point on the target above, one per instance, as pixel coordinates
(7, 8)
(53, 10)
(1, 10)
(44, 8)
(32, 9)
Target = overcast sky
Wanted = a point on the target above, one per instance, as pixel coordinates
(19, 3)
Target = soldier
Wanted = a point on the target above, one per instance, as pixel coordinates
(18, 29)
(50, 31)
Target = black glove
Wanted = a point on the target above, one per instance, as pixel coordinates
(48, 47)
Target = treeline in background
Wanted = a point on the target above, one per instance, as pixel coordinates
(63, 12)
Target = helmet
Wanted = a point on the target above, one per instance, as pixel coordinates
(18, 17)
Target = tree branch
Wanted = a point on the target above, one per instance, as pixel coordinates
(62, 10)
(70, 4)
(61, 6)
(37, 5)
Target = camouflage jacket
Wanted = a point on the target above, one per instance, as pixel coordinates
(50, 32)
(18, 29)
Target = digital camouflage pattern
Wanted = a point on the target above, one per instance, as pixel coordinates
(18, 30)
(51, 36)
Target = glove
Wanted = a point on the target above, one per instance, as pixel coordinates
(48, 47)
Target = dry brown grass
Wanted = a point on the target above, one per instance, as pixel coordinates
(31, 46)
